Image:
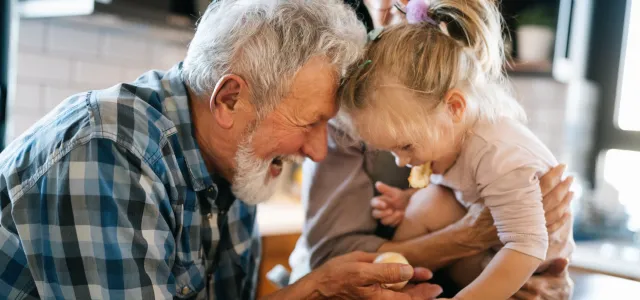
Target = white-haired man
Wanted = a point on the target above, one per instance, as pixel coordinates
(130, 192)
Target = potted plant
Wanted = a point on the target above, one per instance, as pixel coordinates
(535, 34)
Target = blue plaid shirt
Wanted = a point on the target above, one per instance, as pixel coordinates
(108, 197)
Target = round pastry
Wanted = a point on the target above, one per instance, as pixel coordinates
(392, 258)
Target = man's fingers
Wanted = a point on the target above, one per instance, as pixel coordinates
(387, 190)
(423, 291)
(383, 273)
(421, 274)
(549, 180)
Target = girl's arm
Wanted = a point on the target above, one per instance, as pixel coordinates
(503, 277)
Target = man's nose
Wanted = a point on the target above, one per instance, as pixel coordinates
(316, 144)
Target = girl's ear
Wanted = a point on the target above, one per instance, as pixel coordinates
(456, 104)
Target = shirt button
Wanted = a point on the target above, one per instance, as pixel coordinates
(185, 290)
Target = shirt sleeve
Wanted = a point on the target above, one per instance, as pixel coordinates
(94, 226)
(507, 179)
(336, 193)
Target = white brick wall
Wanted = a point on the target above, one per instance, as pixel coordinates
(67, 41)
(558, 113)
(60, 57)
(39, 68)
(32, 34)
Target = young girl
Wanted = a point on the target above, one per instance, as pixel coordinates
(433, 92)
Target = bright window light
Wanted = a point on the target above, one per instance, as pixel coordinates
(622, 171)
(629, 106)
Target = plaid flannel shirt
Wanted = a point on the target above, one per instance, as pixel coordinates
(108, 197)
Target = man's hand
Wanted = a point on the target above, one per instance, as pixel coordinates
(552, 284)
(355, 276)
(390, 206)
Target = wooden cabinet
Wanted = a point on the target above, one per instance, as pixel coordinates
(275, 250)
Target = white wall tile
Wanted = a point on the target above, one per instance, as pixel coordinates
(42, 68)
(58, 58)
(125, 48)
(32, 34)
(28, 97)
(21, 121)
(99, 75)
(54, 95)
(164, 56)
(73, 42)
(131, 74)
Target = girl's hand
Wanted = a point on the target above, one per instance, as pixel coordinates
(390, 206)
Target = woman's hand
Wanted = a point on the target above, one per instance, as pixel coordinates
(556, 198)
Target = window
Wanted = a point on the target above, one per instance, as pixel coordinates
(621, 172)
(615, 67)
(629, 100)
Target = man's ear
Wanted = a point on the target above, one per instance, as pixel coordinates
(224, 100)
(456, 104)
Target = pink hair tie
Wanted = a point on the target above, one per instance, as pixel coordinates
(418, 12)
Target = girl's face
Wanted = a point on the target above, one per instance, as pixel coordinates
(401, 129)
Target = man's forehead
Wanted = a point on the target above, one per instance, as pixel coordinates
(314, 87)
(318, 75)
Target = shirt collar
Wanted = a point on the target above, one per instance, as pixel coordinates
(176, 106)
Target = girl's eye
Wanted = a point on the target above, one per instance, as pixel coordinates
(406, 147)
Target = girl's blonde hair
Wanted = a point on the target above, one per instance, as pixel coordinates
(466, 52)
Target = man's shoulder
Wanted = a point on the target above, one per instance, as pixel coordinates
(134, 115)
(130, 115)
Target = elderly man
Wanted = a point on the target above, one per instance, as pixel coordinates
(130, 192)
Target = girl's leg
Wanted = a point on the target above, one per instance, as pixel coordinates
(431, 209)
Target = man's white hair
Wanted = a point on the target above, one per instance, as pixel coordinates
(267, 41)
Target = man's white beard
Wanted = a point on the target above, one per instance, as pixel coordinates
(253, 182)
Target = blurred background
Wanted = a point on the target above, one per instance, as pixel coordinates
(573, 64)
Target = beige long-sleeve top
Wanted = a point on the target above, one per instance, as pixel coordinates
(501, 163)
(336, 193)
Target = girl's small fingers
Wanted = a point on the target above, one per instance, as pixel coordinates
(378, 203)
(379, 214)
